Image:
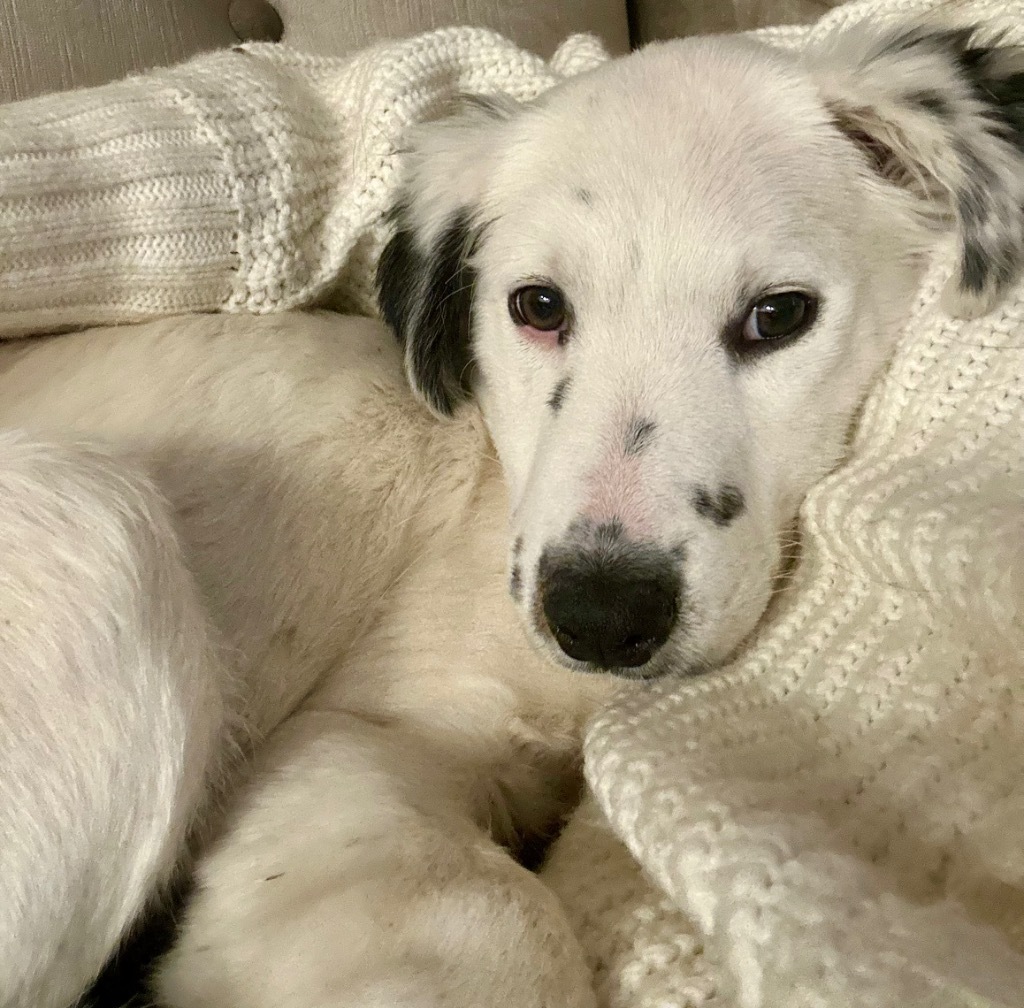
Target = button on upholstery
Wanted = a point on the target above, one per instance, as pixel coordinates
(255, 21)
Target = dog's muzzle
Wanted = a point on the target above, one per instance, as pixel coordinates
(610, 612)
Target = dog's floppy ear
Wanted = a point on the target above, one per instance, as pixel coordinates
(425, 275)
(940, 113)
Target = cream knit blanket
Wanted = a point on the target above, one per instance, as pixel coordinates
(835, 820)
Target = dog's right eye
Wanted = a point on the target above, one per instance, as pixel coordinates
(542, 309)
(773, 321)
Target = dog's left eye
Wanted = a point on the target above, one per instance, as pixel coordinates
(779, 317)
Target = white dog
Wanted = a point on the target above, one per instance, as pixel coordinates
(281, 623)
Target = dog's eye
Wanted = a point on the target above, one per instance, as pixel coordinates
(779, 317)
(538, 307)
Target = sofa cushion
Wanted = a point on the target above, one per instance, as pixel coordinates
(662, 19)
(53, 45)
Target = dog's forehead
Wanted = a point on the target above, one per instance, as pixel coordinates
(683, 175)
(723, 130)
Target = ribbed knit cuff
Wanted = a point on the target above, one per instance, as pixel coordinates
(188, 189)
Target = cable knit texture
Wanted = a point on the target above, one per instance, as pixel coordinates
(835, 820)
(250, 180)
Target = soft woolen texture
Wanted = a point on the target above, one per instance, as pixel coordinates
(833, 820)
(249, 180)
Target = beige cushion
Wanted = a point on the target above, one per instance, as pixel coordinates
(51, 45)
(340, 27)
(662, 19)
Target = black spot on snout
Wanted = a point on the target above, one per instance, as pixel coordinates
(515, 583)
(722, 507)
(639, 435)
(558, 394)
(585, 196)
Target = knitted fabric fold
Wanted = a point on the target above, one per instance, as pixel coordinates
(249, 180)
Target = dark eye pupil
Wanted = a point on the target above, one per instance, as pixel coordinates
(540, 308)
(780, 315)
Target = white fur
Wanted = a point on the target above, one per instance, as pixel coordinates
(324, 586)
(347, 546)
(112, 713)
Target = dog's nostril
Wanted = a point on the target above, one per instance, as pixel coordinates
(562, 634)
(637, 643)
(608, 615)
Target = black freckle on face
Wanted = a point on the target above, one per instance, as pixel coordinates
(515, 584)
(639, 435)
(722, 507)
(585, 196)
(517, 547)
(558, 394)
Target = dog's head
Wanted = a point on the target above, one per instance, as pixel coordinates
(668, 283)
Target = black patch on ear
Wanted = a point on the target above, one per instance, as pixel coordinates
(989, 67)
(931, 101)
(973, 92)
(980, 262)
(993, 70)
(639, 436)
(426, 296)
(558, 393)
(984, 67)
(986, 260)
(722, 508)
(936, 39)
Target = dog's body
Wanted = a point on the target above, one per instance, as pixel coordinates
(665, 359)
(347, 546)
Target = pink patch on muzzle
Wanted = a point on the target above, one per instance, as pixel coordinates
(614, 493)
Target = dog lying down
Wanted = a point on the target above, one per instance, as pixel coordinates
(289, 627)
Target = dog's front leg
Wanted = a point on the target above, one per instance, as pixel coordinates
(353, 875)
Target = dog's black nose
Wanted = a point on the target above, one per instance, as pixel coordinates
(610, 614)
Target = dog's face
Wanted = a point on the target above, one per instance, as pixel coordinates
(668, 284)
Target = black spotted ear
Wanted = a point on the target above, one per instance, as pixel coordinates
(425, 274)
(426, 296)
(940, 113)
